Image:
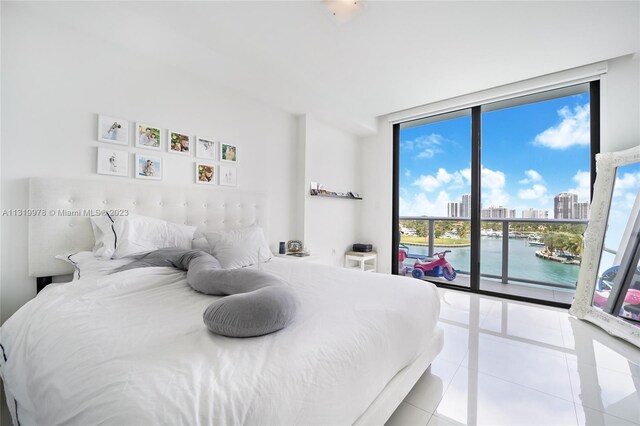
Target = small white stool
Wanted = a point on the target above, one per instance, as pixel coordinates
(365, 262)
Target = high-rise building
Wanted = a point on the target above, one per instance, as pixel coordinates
(581, 211)
(535, 214)
(454, 209)
(563, 204)
(466, 206)
(498, 212)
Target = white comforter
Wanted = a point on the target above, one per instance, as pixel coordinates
(131, 348)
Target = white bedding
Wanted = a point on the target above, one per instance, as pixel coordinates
(131, 348)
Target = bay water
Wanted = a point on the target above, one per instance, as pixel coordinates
(523, 262)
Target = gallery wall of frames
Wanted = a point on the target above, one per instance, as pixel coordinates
(215, 161)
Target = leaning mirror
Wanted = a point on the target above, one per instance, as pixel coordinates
(608, 290)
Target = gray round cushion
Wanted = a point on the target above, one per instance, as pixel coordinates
(255, 313)
(256, 303)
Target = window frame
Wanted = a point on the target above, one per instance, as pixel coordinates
(476, 161)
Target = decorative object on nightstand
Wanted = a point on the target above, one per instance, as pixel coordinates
(365, 262)
(282, 248)
(362, 248)
(294, 246)
(300, 256)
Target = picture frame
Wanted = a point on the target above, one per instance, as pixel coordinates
(148, 167)
(205, 173)
(113, 130)
(294, 246)
(113, 162)
(228, 153)
(148, 136)
(228, 175)
(205, 148)
(179, 142)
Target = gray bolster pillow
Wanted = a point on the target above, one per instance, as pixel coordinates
(257, 303)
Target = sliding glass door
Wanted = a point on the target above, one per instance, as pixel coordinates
(496, 198)
(434, 198)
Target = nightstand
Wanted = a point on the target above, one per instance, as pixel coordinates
(310, 258)
(366, 262)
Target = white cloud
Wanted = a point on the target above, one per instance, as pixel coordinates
(420, 205)
(627, 181)
(627, 187)
(572, 130)
(407, 173)
(430, 183)
(443, 176)
(466, 174)
(427, 153)
(538, 191)
(427, 145)
(493, 182)
(532, 176)
(427, 183)
(492, 179)
(630, 198)
(583, 188)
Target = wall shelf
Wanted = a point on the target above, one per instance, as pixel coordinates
(336, 196)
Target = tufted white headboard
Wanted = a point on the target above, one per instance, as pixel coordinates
(62, 222)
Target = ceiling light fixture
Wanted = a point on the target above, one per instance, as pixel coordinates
(344, 10)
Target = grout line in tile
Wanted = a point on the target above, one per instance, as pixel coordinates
(603, 412)
(566, 361)
(444, 391)
(524, 386)
(430, 417)
(419, 408)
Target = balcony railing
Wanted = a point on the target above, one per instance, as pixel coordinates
(504, 277)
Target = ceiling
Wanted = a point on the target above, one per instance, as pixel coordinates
(392, 56)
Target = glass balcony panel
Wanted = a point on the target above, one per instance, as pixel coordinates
(528, 272)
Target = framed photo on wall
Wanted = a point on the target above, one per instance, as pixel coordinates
(228, 153)
(205, 173)
(148, 167)
(228, 175)
(205, 148)
(114, 162)
(113, 130)
(179, 142)
(148, 136)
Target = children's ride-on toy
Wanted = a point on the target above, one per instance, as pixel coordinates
(436, 266)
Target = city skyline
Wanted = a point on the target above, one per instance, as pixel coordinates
(565, 206)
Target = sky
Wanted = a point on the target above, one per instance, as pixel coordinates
(530, 153)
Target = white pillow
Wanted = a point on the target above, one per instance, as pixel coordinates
(239, 248)
(120, 236)
(104, 234)
(88, 266)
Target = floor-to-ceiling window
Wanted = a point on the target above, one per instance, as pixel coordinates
(496, 197)
(434, 198)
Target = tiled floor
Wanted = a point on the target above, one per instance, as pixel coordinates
(513, 363)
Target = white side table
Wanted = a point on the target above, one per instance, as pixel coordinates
(365, 262)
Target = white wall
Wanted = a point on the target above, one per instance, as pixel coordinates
(374, 225)
(331, 157)
(54, 82)
(620, 98)
(620, 129)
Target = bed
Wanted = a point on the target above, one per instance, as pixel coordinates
(131, 348)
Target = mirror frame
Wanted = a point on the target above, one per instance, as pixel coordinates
(582, 307)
